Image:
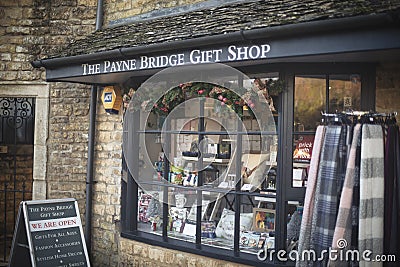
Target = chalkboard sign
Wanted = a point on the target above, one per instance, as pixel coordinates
(49, 233)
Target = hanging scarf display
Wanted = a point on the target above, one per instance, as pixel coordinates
(371, 192)
(353, 191)
(343, 229)
(305, 230)
(330, 178)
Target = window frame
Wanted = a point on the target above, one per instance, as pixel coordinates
(284, 190)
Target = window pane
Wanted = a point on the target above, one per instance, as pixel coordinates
(261, 234)
(150, 209)
(181, 201)
(17, 120)
(217, 225)
(344, 92)
(187, 164)
(295, 213)
(309, 101)
(302, 153)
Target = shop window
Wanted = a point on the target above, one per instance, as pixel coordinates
(314, 94)
(17, 120)
(203, 174)
(185, 187)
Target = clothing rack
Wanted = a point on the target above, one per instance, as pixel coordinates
(359, 113)
(345, 116)
(342, 202)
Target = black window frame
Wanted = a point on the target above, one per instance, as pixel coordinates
(284, 190)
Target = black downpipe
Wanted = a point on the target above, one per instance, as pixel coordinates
(91, 142)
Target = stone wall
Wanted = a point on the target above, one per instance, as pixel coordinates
(116, 10)
(107, 190)
(34, 29)
(137, 254)
(30, 29)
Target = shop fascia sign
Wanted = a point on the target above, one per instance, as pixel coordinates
(195, 56)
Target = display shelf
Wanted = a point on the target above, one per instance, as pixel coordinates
(159, 131)
(217, 242)
(210, 160)
(273, 199)
(301, 165)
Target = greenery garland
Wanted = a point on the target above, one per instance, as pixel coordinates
(177, 95)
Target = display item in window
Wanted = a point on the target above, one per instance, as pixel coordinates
(154, 207)
(254, 170)
(263, 220)
(144, 202)
(180, 201)
(225, 227)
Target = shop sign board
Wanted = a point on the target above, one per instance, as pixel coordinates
(304, 147)
(192, 57)
(49, 233)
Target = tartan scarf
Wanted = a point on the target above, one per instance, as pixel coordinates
(371, 208)
(305, 229)
(343, 230)
(329, 186)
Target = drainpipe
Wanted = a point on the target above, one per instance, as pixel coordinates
(91, 142)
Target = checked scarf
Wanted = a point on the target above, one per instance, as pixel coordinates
(329, 186)
(371, 192)
(343, 230)
(305, 229)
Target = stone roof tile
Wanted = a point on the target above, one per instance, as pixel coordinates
(223, 19)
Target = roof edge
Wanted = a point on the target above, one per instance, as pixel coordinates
(357, 22)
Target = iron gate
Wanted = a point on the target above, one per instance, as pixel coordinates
(16, 163)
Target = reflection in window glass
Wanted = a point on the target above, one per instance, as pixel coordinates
(309, 100)
(344, 92)
(313, 94)
(197, 154)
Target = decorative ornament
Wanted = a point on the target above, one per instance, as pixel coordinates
(245, 100)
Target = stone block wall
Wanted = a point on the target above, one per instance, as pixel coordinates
(133, 253)
(107, 190)
(115, 10)
(32, 29)
(35, 29)
(67, 142)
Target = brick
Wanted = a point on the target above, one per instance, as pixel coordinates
(5, 56)
(8, 75)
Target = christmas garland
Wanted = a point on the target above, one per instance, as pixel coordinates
(244, 99)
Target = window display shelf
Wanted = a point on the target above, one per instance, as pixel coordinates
(158, 131)
(212, 160)
(206, 188)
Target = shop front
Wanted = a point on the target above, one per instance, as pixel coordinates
(218, 130)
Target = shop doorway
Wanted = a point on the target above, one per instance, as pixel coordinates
(17, 119)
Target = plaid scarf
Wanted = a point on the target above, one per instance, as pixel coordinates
(371, 192)
(329, 186)
(343, 229)
(305, 230)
